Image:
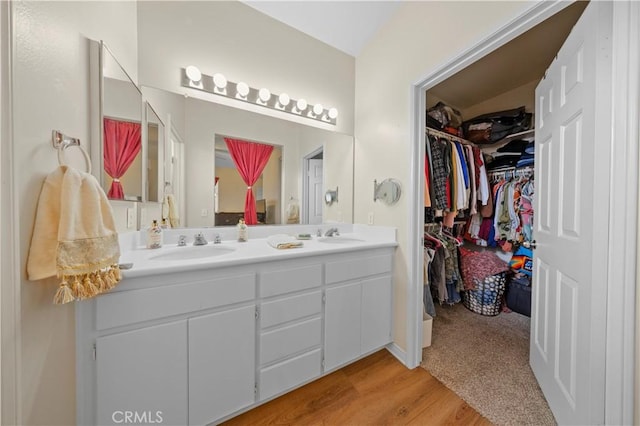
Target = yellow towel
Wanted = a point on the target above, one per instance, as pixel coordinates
(74, 236)
(174, 218)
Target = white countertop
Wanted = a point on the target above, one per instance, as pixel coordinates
(253, 251)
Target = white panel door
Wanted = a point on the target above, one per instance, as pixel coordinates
(221, 364)
(315, 191)
(342, 325)
(143, 374)
(567, 345)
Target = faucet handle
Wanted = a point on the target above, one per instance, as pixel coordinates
(319, 233)
(217, 239)
(182, 240)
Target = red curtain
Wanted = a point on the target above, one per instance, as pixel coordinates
(122, 142)
(250, 159)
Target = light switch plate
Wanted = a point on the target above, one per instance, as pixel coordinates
(131, 217)
(204, 213)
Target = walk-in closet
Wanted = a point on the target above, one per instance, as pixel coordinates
(480, 185)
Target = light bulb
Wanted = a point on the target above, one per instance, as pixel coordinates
(193, 73)
(317, 109)
(301, 105)
(284, 99)
(264, 94)
(333, 113)
(220, 81)
(243, 89)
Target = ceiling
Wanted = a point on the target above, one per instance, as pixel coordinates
(522, 60)
(349, 25)
(345, 25)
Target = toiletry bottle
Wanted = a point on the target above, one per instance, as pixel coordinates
(154, 236)
(242, 231)
(164, 224)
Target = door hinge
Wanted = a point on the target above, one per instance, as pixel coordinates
(257, 312)
(322, 363)
(255, 389)
(324, 298)
(95, 352)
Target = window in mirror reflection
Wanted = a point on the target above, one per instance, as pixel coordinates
(122, 143)
(247, 182)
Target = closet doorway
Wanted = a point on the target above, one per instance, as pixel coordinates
(570, 349)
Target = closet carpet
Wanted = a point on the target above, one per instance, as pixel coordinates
(485, 360)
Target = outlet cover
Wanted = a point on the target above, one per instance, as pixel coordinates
(370, 218)
(204, 213)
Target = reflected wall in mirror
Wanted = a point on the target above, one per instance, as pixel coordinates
(154, 149)
(206, 121)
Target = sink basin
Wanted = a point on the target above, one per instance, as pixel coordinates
(193, 252)
(340, 240)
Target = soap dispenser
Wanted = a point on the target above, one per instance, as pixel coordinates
(154, 236)
(242, 231)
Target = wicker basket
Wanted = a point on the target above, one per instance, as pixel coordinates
(486, 299)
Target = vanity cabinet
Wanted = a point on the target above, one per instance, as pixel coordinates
(357, 309)
(143, 371)
(290, 327)
(198, 347)
(221, 364)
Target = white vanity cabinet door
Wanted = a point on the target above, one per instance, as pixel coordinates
(376, 313)
(342, 325)
(222, 364)
(143, 372)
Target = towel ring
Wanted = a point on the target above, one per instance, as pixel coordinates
(62, 142)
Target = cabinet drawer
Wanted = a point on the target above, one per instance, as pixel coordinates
(284, 281)
(290, 308)
(344, 270)
(128, 307)
(290, 373)
(289, 340)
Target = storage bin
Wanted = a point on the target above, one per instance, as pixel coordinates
(427, 324)
(486, 299)
(519, 296)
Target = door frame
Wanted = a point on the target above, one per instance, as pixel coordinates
(10, 386)
(623, 223)
(304, 218)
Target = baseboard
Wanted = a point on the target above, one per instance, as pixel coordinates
(399, 353)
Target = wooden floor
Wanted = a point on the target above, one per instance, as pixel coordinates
(377, 390)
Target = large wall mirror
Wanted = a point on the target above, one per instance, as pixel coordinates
(304, 160)
(127, 134)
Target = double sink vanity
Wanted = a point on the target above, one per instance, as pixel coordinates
(198, 334)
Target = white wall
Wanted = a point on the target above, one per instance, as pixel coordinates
(420, 38)
(50, 83)
(245, 45)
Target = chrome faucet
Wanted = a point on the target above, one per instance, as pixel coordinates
(199, 240)
(182, 240)
(331, 232)
(217, 239)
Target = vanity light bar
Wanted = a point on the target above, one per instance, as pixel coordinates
(219, 85)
